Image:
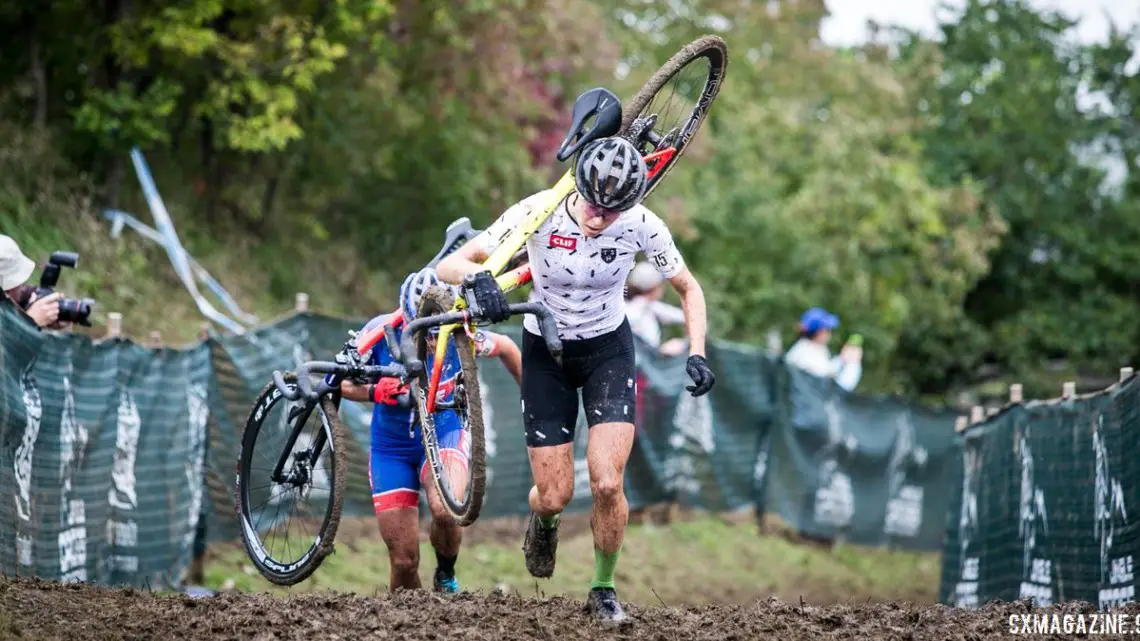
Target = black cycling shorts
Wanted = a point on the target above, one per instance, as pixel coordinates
(602, 367)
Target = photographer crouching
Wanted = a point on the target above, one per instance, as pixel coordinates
(46, 307)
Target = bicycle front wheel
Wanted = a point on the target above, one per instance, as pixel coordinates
(460, 487)
(305, 499)
(659, 116)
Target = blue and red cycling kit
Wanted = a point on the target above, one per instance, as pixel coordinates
(397, 462)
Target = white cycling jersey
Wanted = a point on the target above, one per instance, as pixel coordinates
(581, 279)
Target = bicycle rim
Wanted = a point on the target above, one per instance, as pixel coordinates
(463, 506)
(315, 529)
(692, 76)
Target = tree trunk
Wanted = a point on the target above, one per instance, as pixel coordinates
(39, 79)
(206, 159)
(267, 200)
(114, 182)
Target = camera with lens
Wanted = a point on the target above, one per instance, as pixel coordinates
(70, 310)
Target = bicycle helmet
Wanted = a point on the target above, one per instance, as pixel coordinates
(611, 173)
(412, 291)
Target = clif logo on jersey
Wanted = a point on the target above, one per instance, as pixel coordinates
(563, 242)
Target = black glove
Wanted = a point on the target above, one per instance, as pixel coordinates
(698, 369)
(485, 298)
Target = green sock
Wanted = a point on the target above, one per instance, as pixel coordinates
(549, 522)
(604, 565)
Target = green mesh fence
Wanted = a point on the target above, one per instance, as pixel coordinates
(869, 470)
(102, 456)
(113, 451)
(1046, 507)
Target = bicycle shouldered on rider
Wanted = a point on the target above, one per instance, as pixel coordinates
(580, 258)
(398, 466)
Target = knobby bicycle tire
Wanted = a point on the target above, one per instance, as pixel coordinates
(715, 50)
(322, 546)
(437, 301)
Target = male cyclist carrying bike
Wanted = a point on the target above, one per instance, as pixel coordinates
(580, 258)
(397, 462)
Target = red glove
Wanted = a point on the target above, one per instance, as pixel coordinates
(386, 391)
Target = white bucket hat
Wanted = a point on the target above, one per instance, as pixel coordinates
(644, 277)
(15, 267)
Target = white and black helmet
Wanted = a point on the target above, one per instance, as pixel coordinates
(412, 291)
(611, 173)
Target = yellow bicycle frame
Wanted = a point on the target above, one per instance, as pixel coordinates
(496, 262)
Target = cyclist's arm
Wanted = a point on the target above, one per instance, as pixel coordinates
(462, 262)
(468, 259)
(511, 356)
(354, 392)
(492, 344)
(693, 304)
(657, 243)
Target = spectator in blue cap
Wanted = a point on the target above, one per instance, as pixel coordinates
(810, 352)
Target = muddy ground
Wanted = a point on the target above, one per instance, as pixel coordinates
(35, 609)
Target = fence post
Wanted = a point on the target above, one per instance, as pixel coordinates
(114, 324)
(301, 302)
(156, 339)
(990, 411)
(1125, 373)
(977, 413)
(1068, 389)
(961, 423)
(775, 343)
(1015, 393)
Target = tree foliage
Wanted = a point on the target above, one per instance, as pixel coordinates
(948, 198)
(807, 188)
(362, 116)
(1004, 110)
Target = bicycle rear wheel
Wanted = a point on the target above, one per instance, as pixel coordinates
(459, 487)
(315, 469)
(653, 121)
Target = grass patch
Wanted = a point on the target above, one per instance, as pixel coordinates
(45, 205)
(706, 560)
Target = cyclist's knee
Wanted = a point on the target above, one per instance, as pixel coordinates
(554, 494)
(607, 488)
(405, 560)
(439, 513)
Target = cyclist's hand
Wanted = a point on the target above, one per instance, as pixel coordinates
(485, 298)
(698, 369)
(387, 391)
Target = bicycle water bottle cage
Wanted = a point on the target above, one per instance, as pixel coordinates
(601, 104)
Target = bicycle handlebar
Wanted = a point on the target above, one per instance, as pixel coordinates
(305, 387)
(546, 322)
(412, 367)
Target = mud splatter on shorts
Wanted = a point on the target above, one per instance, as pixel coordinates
(601, 367)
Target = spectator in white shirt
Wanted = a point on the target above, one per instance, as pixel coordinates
(646, 312)
(810, 352)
